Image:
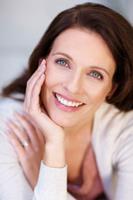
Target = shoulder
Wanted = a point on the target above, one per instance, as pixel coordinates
(9, 103)
(114, 129)
(113, 143)
(11, 174)
(113, 132)
(111, 118)
(7, 108)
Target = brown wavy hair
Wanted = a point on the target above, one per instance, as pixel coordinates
(116, 31)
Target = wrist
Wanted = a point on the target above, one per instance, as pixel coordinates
(56, 138)
(54, 155)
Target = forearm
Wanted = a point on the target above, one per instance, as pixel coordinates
(52, 182)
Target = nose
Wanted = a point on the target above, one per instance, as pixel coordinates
(74, 84)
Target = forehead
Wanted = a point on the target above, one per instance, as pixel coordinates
(84, 46)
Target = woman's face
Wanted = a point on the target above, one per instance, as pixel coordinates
(79, 75)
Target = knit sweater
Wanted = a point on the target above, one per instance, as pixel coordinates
(112, 141)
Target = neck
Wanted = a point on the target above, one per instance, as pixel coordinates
(79, 131)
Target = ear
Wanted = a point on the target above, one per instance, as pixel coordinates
(114, 87)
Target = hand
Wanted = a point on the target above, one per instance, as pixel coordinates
(28, 143)
(50, 129)
(54, 134)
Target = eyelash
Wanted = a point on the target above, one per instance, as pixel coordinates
(65, 63)
(96, 75)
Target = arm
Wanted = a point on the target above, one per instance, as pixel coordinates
(123, 159)
(52, 180)
(13, 184)
(55, 178)
(54, 153)
(52, 183)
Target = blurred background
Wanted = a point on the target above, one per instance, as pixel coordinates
(22, 23)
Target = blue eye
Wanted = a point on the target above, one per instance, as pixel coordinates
(96, 75)
(62, 62)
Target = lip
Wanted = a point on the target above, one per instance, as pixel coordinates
(66, 108)
(67, 98)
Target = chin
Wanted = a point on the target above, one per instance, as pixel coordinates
(61, 121)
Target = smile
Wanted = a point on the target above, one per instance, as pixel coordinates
(66, 102)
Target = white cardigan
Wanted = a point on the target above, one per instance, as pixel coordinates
(112, 140)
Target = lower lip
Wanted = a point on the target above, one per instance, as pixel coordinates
(66, 108)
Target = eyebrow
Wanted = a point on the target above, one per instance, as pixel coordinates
(70, 58)
(63, 54)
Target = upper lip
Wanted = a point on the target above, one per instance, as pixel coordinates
(69, 98)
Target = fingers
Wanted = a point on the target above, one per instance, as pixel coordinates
(34, 85)
(23, 136)
(19, 131)
(17, 145)
(35, 135)
(33, 107)
(28, 130)
(35, 101)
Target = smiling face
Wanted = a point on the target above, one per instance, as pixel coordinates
(79, 75)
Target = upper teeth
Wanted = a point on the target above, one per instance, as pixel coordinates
(66, 102)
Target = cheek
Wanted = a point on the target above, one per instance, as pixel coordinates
(50, 76)
(54, 76)
(104, 93)
(99, 93)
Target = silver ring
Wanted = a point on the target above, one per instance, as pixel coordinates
(25, 143)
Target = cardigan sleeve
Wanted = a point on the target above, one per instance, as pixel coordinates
(52, 183)
(123, 166)
(13, 184)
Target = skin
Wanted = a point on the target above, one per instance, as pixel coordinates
(80, 67)
(74, 78)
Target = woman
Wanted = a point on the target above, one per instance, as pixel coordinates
(75, 127)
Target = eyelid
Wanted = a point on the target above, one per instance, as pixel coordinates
(99, 74)
(64, 59)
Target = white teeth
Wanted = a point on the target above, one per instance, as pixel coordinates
(66, 102)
